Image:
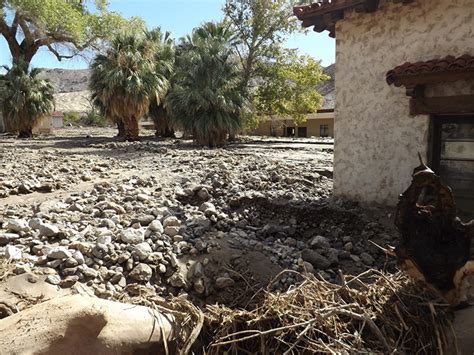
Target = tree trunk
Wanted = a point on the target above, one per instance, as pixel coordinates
(132, 129)
(121, 129)
(435, 246)
(25, 133)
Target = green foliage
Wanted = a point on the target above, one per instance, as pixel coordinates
(288, 87)
(261, 27)
(164, 61)
(25, 99)
(124, 81)
(93, 118)
(205, 97)
(71, 117)
(64, 27)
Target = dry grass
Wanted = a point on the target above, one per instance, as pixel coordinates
(371, 313)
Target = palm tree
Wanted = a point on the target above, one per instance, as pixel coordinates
(124, 81)
(164, 61)
(205, 96)
(25, 99)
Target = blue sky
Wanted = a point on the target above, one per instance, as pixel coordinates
(180, 17)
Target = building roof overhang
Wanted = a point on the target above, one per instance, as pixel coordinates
(433, 71)
(323, 14)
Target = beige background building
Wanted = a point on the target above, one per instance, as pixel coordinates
(377, 136)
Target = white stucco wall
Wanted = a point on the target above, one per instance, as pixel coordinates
(376, 140)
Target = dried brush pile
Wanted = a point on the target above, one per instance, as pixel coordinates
(371, 313)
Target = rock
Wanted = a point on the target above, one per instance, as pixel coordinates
(203, 194)
(6, 238)
(146, 220)
(142, 251)
(178, 238)
(171, 221)
(333, 256)
(141, 272)
(224, 282)
(367, 259)
(161, 269)
(100, 251)
(171, 231)
(208, 208)
(17, 225)
(59, 253)
(143, 197)
(48, 230)
(77, 255)
(132, 236)
(199, 286)
(53, 279)
(35, 223)
(314, 258)
(319, 242)
(104, 239)
(12, 253)
(156, 226)
(177, 280)
(348, 246)
(69, 281)
(308, 267)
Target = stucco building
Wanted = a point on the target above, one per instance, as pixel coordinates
(320, 124)
(404, 84)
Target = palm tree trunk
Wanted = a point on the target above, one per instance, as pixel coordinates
(121, 128)
(25, 133)
(131, 129)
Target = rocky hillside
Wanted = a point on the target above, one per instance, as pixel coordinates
(67, 80)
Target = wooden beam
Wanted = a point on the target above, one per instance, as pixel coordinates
(442, 105)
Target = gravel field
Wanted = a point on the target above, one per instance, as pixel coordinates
(81, 207)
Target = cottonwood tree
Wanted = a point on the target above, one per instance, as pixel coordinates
(289, 87)
(261, 27)
(64, 27)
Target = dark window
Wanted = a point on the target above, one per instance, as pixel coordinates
(290, 131)
(302, 132)
(453, 158)
(324, 130)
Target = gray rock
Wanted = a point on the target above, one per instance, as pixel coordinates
(203, 194)
(141, 272)
(348, 246)
(100, 251)
(208, 208)
(104, 239)
(59, 253)
(6, 238)
(177, 280)
(171, 230)
(146, 220)
(48, 230)
(53, 279)
(77, 255)
(314, 258)
(319, 242)
(224, 282)
(17, 225)
(35, 223)
(132, 236)
(156, 226)
(12, 252)
(143, 197)
(367, 259)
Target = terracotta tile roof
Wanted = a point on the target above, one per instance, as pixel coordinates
(449, 64)
(323, 14)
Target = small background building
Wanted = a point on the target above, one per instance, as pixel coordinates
(320, 124)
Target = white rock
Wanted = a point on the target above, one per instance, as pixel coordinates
(17, 225)
(132, 235)
(53, 279)
(6, 238)
(77, 255)
(142, 250)
(12, 252)
(104, 239)
(34, 223)
(156, 226)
